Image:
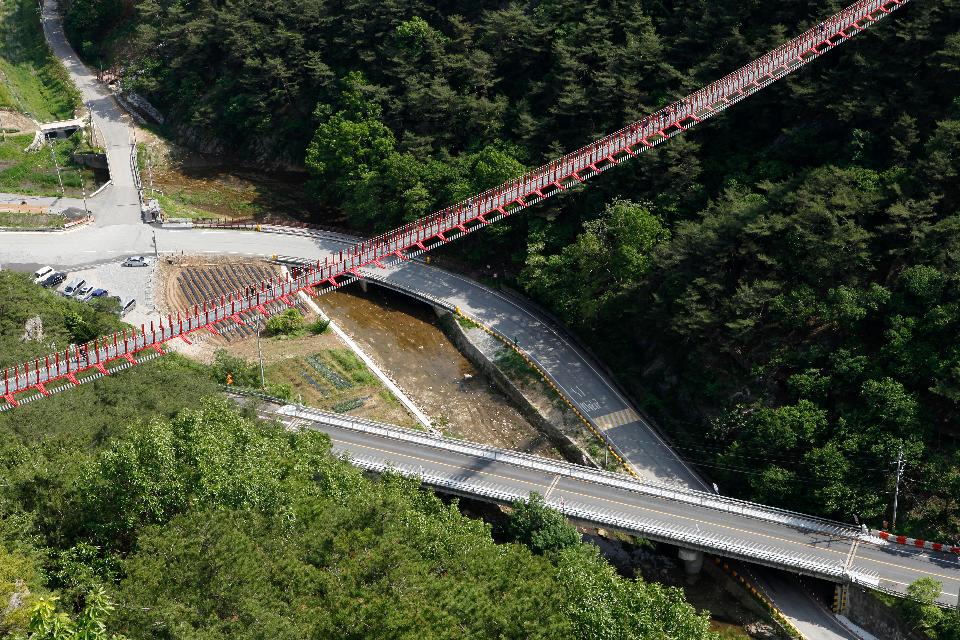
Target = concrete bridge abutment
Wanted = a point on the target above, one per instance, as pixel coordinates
(692, 561)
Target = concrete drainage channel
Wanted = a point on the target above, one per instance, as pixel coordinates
(387, 381)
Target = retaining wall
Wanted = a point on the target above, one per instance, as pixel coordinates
(567, 445)
(92, 160)
(875, 617)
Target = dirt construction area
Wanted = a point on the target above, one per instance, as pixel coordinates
(13, 123)
(320, 370)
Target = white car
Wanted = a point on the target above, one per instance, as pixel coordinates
(82, 291)
(135, 261)
(41, 274)
(127, 305)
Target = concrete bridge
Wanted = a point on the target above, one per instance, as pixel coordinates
(696, 521)
(61, 128)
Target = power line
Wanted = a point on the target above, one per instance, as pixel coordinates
(720, 450)
(896, 491)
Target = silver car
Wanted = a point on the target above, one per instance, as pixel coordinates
(135, 261)
(71, 288)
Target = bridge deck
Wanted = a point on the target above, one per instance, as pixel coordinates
(449, 465)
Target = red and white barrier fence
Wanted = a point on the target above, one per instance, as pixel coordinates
(464, 217)
(918, 543)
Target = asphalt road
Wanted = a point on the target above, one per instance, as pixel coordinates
(896, 566)
(118, 203)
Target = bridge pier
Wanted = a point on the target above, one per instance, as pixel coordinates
(841, 599)
(692, 561)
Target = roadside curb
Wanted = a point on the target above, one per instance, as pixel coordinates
(101, 188)
(760, 596)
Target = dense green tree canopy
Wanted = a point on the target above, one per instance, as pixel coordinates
(786, 285)
(539, 527)
(204, 522)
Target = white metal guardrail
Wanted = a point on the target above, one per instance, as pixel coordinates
(596, 476)
(728, 546)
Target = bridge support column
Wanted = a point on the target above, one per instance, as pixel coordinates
(692, 561)
(841, 600)
(363, 285)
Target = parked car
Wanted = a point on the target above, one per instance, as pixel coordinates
(41, 274)
(96, 293)
(83, 291)
(71, 288)
(127, 305)
(135, 261)
(53, 279)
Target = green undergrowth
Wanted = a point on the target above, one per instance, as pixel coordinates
(15, 220)
(35, 172)
(32, 81)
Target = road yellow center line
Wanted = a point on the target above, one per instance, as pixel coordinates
(844, 552)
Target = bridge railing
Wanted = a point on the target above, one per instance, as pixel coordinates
(466, 216)
(660, 125)
(596, 476)
(661, 530)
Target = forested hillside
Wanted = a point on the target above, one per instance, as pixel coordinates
(782, 284)
(134, 506)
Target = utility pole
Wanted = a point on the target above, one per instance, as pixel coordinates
(83, 189)
(896, 490)
(150, 169)
(53, 156)
(263, 379)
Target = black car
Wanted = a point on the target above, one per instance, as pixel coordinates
(54, 279)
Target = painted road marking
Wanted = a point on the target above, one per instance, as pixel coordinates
(590, 405)
(852, 554)
(553, 485)
(662, 513)
(616, 419)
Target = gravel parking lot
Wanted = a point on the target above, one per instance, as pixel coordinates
(126, 282)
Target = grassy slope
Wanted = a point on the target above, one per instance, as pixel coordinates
(33, 82)
(34, 173)
(219, 191)
(31, 79)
